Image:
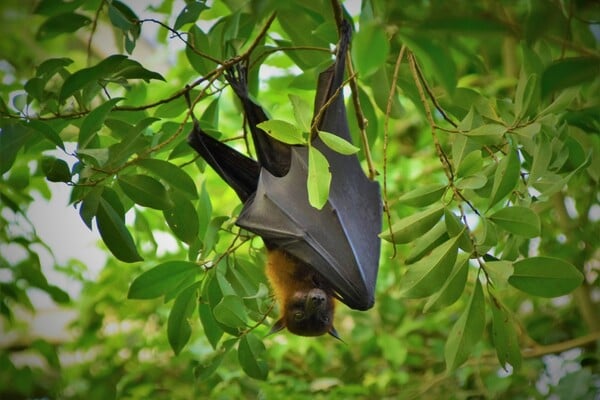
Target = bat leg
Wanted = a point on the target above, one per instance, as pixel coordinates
(240, 172)
(272, 154)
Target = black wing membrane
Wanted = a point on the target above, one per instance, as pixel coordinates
(341, 240)
(240, 172)
(271, 153)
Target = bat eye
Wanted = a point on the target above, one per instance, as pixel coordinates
(299, 316)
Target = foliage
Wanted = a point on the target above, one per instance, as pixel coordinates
(482, 120)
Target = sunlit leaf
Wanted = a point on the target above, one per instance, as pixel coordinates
(302, 112)
(283, 131)
(319, 178)
(162, 279)
(370, 48)
(338, 144)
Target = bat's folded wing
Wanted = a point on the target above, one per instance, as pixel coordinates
(340, 241)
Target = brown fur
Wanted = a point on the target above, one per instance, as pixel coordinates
(306, 302)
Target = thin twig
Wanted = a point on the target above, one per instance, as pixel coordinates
(386, 135)
(362, 121)
(94, 26)
(178, 34)
(432, 97)
(539, 350)
(314, 128)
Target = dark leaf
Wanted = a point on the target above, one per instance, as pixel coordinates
(114, 233)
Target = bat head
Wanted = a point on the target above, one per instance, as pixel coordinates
(308, 313)
(306, 302)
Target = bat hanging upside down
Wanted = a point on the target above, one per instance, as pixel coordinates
(314, 256)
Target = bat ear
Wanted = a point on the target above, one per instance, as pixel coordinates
(335, 334)
(277, 327)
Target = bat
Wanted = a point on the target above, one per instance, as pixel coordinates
(314, 256)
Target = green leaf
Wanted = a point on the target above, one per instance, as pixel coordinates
(189, 14)
(211, 328)
(54, 7)
(520, 221)
(162, 279)
(94, 121)
(569, 72)
(370, 49)
(47, 131)
(89, 205)
(505, 336)
(380, 83)
(56, 170)
(427, 242)
(506, 177)
(114, 233)
(469, 164)
(490, 134)
(79, 79)
(145, 191)
(524, 94)
(231, 312)
(198, 40)
(435, 58)
(121, 16)
(209, 364)
(475, 181)
(429, 274)
(319, 178)
(423, 195)
(453, 286)
(302, 112)
(338, 144)
(12, 138)
(455, 226)
(174, 176)
(183, 219)
(178, 324)
(51, 66)
(252, 357)
(283, 131)
(409, 228)
(467, 331)
(131, 69)
(545, 276)
(63, 23)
